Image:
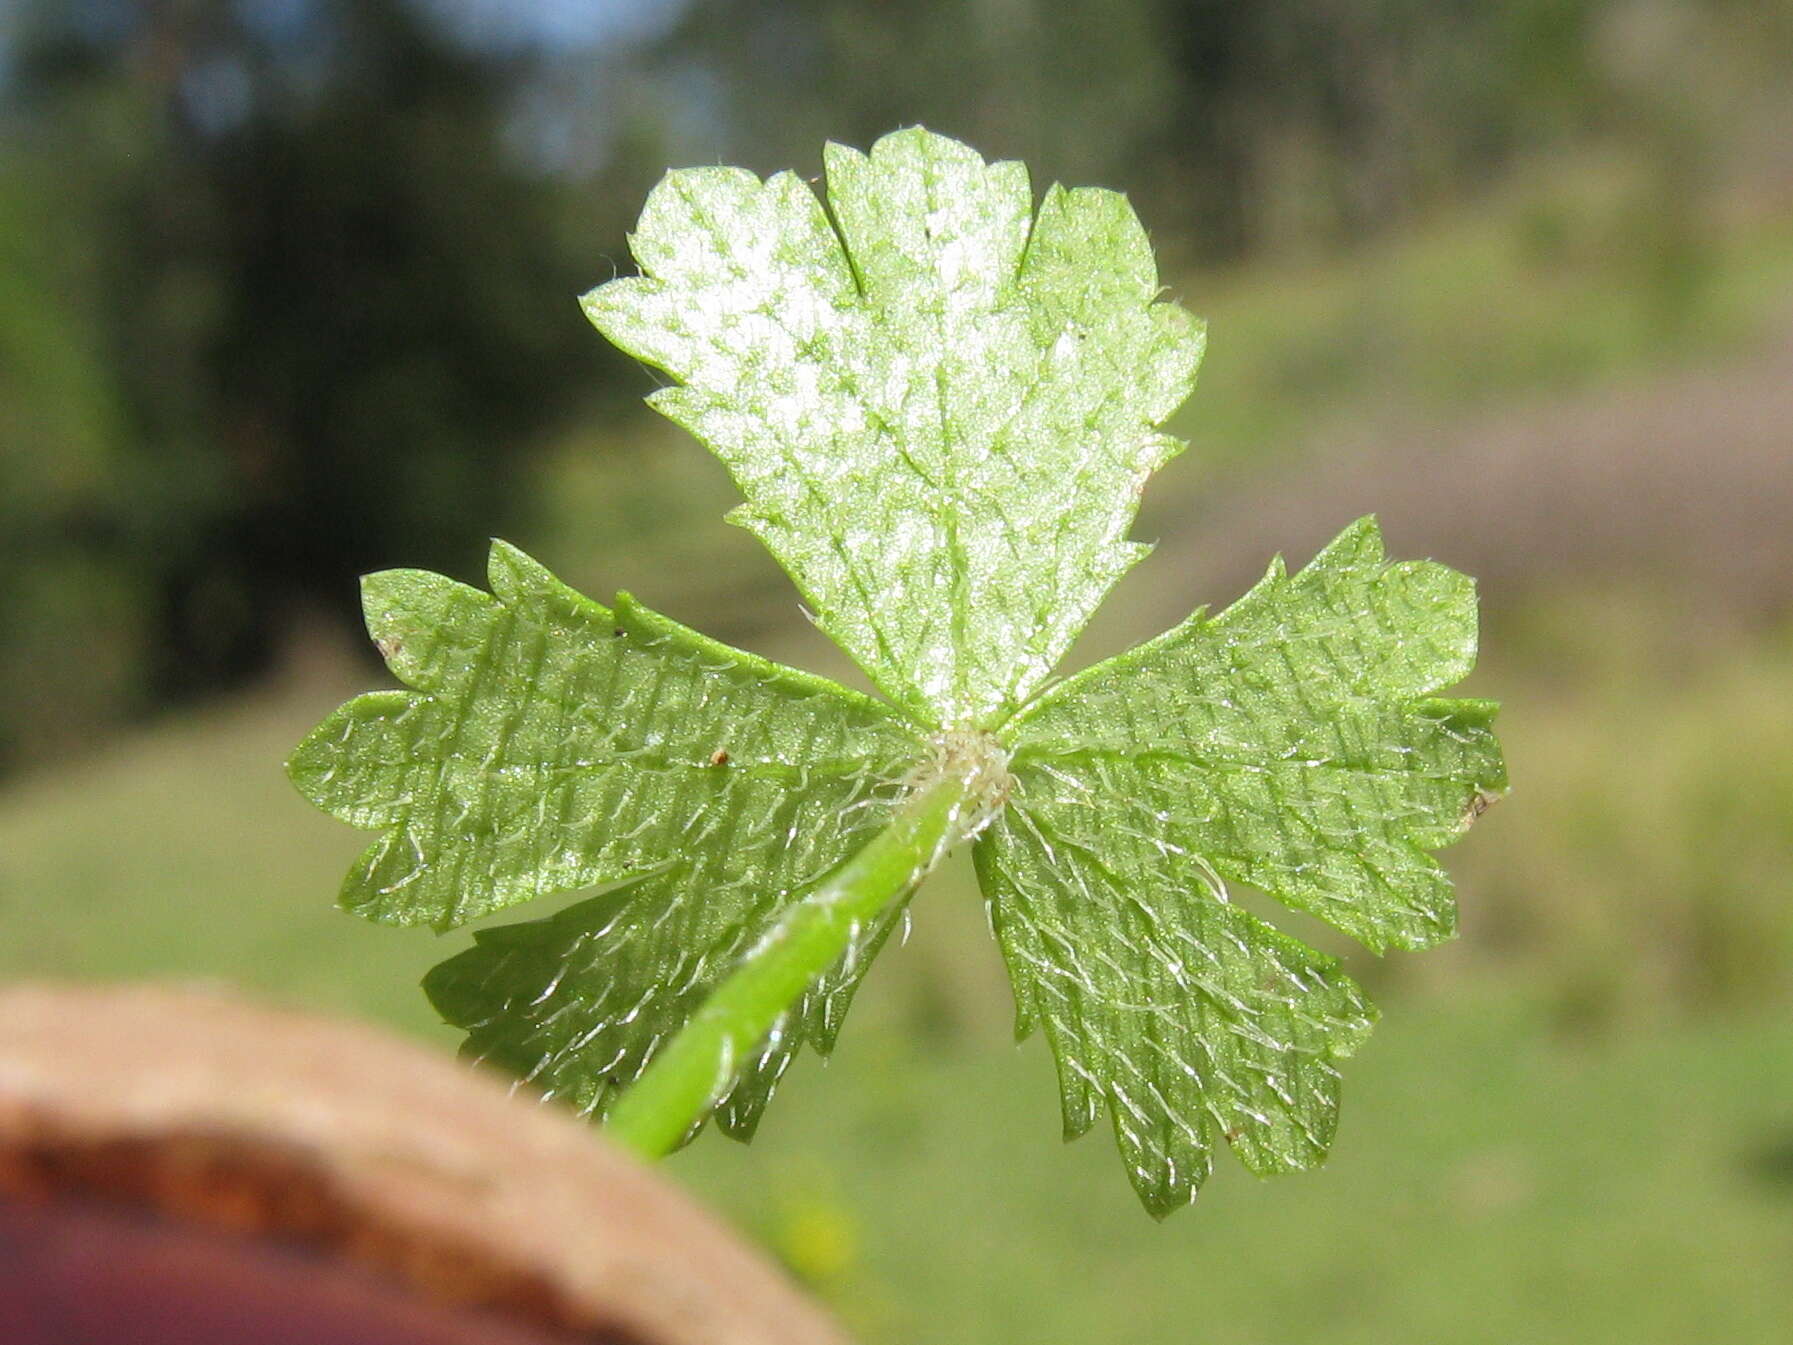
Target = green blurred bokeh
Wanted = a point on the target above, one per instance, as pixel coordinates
(286, 293)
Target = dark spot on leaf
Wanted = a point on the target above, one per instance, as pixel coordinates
(619, 632)
(1480, 802)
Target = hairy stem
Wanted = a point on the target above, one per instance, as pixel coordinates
(699, 1064)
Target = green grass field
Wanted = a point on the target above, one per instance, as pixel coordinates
(1546, 1139)
(1490, 1184)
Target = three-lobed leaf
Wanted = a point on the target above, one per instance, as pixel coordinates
(940, 408)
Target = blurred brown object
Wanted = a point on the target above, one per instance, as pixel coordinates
(359, 1159)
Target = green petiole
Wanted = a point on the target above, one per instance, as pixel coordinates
(699, 1064)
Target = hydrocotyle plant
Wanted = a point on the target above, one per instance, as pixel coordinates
(940, 406)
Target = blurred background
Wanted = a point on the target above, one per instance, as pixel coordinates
(287, 293)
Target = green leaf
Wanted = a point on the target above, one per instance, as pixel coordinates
(941, 415)
(941, 408)
(551, 744)
(1188, 1019)
(1291, 743)
(578, 1003)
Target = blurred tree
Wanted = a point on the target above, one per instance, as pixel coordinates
(329, 306)
(1073, 88)
(69, 582)
(286, 286)
(1250, 126)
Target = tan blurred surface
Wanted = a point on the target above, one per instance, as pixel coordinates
(273, 1123)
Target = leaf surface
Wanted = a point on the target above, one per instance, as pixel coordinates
(1291, 743)
(577, 1003)
(941, 415)
(551, 744)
